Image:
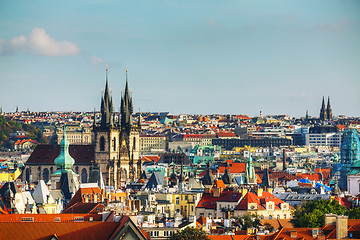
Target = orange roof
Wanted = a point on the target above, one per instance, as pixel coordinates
(79, 195)
(68, 230)
(251, 197)
(301, 233)
(150, 158)
(219, 184)
(220, 237)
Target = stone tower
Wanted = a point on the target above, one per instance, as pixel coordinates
(117, 143)
(323, 111)
(329, 111)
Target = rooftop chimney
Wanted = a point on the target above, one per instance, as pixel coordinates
(341, 227)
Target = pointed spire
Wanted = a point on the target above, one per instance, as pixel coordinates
(107, 105)
(307, 114)
(328, 110)
(323, 112)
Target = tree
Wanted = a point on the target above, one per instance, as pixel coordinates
(269, 227)
(311, 213)
(248, 221)
(190, 233)
(354, 213)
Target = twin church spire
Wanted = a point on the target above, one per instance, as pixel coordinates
(326, 113)
(107, 108)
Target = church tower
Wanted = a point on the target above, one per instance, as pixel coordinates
(106, 138)
(323, 111)
(117, 143)
(129, 164)
(329, 111)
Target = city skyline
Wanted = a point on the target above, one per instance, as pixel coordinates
(235, 57)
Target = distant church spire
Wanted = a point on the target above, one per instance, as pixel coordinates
(126, 106)
(106, 106)
(323, 112)
(329, 111)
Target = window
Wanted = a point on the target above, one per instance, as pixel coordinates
(84, 175)
(114, 144)
(177, 200)
(57, 219)
(102, 143)
(27, 219)
(78, 219)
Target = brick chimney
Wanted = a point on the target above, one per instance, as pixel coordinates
(259, 192)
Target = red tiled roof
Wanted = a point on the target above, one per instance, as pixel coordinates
(301, 233)
(79, 195)
(235, 167)
(150, 158)
(190, 136)
(48, 217)
(63, 230)
(225, 134)
(219, 184)
(209, 202)
(46, 154)
(251, 197)
(85, 208)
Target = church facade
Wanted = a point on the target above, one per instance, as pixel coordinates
(117, 142)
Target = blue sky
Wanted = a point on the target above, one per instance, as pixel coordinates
(203, 56)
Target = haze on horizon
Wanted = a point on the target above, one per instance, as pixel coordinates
(195, 57)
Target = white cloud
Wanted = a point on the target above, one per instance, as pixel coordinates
(38, 43)
(96, 61)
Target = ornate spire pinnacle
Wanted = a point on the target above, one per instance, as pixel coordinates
(106, 106)
(64, 162)
(328, 110)
(126, 106)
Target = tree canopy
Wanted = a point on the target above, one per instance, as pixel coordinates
(248, 221)
(7, 127)
(311, 213)
(190, 233)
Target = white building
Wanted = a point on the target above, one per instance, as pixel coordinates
(323, 139)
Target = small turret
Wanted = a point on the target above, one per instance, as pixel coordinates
(64, 162)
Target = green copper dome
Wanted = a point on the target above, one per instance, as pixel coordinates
(64, 162)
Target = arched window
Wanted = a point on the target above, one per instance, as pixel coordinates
(134, 143)
(77, 169)
(114, 143)
(46, 175)
(102, 143)
(51, 170)
(84, 175)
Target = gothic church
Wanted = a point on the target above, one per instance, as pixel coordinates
(117, 142)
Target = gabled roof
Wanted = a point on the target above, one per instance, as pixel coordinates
(209, 202)
(251, 197)
(85, 208)
(63, 230)
(235, 167)
(156, 179)
(41, 193)
(79, 195)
